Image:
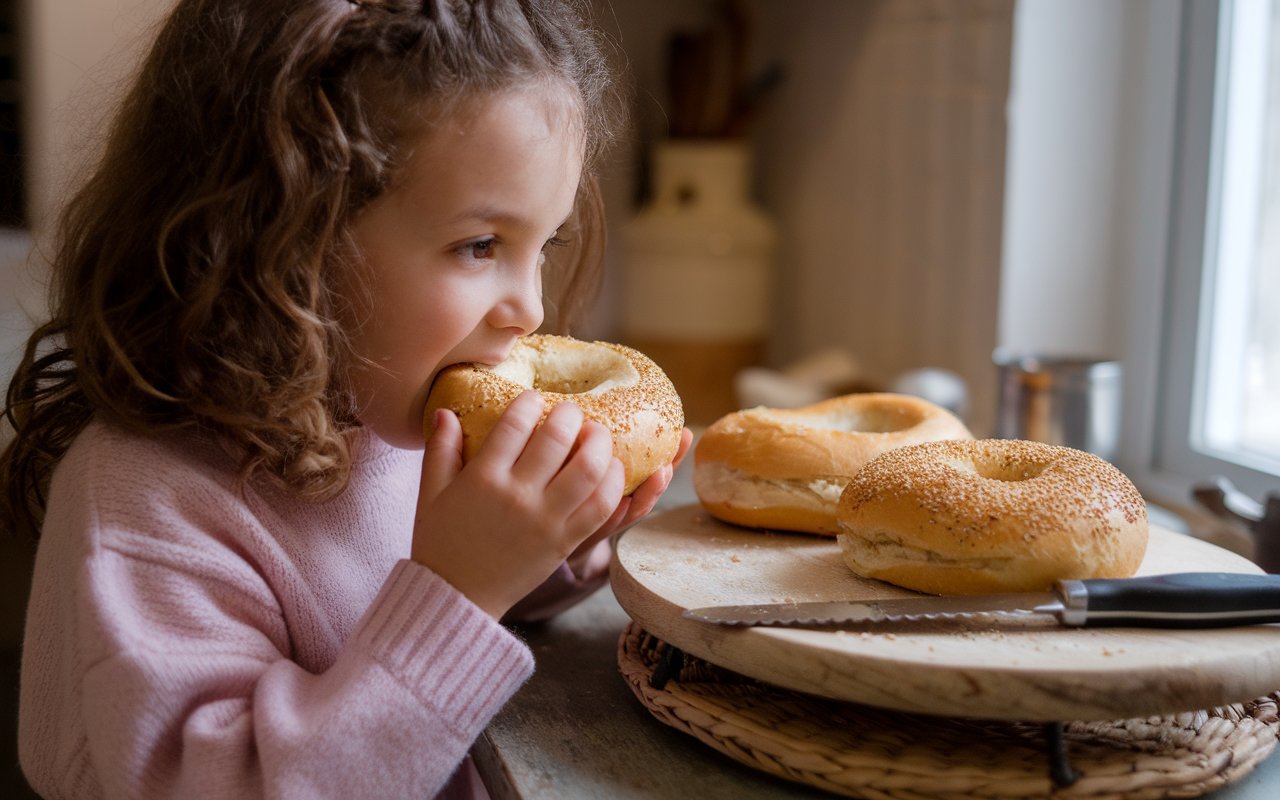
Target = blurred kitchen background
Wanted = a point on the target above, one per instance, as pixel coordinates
(820, 196)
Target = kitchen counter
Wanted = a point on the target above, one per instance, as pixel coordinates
(576, 730)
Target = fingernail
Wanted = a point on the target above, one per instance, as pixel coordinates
(532, 396)
(570, 407)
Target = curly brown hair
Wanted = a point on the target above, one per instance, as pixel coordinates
(193, 273)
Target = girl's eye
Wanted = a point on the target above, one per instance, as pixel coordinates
(480, 249)
(554, 241)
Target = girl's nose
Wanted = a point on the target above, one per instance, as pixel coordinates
(522, 306)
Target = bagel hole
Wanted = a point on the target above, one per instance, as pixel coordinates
(591, 370)
(1010, 472)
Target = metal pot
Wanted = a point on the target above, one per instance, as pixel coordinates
(1059, 400)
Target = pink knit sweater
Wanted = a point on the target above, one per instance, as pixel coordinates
(190, 638)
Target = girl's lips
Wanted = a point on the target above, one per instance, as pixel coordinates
(486, 360)
(494, 358)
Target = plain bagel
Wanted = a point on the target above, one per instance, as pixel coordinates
(615, 385)
(785, 468)
(993, 515)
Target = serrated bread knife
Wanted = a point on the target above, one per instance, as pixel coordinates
(1180, 600)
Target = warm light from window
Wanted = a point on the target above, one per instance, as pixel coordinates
(1238, 361)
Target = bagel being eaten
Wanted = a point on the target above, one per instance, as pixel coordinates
(617, 386)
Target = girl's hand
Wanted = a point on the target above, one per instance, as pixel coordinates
(498, 527)
(632, 508)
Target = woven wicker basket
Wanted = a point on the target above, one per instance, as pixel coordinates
(859, 751)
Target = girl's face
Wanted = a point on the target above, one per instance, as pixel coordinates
(454, 250)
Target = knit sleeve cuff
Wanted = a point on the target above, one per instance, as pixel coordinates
(441, 646)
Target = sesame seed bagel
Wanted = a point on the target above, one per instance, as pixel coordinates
(785, 468)
(617, 386)
(994, 515)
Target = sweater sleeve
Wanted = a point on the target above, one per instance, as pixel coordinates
(211, 708)
(158, 662)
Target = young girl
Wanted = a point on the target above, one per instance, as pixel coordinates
(250, 582)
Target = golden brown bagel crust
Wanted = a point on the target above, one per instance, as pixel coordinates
(785, 468)
(617, 386)
(992, 515)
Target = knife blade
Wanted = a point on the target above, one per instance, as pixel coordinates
(1178, 600)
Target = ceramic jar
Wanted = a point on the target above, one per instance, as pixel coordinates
(698, 270)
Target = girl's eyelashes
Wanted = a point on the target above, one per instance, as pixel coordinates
(480, 249)
(483, 249)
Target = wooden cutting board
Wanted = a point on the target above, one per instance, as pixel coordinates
(683, 558)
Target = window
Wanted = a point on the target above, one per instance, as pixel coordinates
(1220, 409)
(1239, 415)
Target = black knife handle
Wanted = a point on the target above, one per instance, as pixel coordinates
(1179, 600)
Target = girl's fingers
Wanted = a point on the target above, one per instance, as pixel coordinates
(686, 439)
(647, 494)
(585, 469)
(615, 520)
(507, 440)
(583, 550)
(550, 445)
(599, 505)
(442, 458)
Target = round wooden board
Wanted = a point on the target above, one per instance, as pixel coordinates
(683, 558)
